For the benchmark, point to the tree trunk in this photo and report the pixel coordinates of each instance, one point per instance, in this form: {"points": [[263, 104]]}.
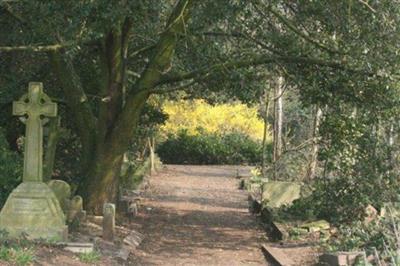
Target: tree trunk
{"points": [[152, 154], [265, 132], [103, 181], [51, 147], [105, 135], [315, 146], [278, 120]]}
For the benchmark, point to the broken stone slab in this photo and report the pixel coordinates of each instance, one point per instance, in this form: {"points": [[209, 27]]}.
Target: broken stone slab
{"points": [[133, 239], [341, 258], [79, 247], [96, 219], [277, 193], [133, 193], [279, 231], [277, 256], [316, 226], [297, 231], [123, 253]]}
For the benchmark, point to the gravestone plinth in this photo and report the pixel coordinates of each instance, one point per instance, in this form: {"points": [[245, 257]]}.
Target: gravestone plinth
{"points": [[32, 209]]}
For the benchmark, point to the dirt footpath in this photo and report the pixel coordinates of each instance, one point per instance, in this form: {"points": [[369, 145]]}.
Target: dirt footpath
{"points": [[195, 215]]}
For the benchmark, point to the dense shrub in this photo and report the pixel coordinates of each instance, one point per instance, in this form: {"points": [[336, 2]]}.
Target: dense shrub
{"points": [[198, 116], [10, 169], [233, 148]]}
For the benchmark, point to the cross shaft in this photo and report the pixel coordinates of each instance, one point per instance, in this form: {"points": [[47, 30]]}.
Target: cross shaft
{"points": [[35, 105]]}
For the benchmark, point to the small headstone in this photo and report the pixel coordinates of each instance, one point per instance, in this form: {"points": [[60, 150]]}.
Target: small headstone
{"points": [[62, 190], [277, 193], [96, 219], [123, 253], [75, 208], [108, 221]]}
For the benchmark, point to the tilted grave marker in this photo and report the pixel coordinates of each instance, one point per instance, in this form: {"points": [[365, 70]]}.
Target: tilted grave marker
{"points": [[32, 208]]}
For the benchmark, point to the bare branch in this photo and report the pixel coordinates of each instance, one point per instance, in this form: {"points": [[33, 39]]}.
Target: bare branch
{"points": [[36, 48], [367, 5], [178, 88], [141, 50]]}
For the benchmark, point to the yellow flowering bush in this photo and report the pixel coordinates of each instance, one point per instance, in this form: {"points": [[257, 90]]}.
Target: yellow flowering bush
{"points": [[197, 116]]}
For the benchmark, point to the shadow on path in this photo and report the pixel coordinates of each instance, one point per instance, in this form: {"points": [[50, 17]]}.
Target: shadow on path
{"points": [[195, 215]]}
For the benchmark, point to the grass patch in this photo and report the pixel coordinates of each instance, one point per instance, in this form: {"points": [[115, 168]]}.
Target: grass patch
{"points": [[17, 255], [91, 257]]}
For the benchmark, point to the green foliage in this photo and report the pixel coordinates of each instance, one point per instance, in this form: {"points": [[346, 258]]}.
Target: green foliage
{"points": [[234, 148], [19, 251], [381, 235], [342, 199], [10, 169], [133, 172], [17, 255], [91, 257]]}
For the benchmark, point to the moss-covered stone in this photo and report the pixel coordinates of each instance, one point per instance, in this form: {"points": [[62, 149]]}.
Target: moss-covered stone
{"points": [[276, 193], [316, 226], [62, 190], [32, 209]]}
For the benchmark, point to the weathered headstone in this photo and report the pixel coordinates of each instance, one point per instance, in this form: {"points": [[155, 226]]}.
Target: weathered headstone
{"points": [[32, 208], [108, 221], [276, 193], [75, 208], [62, 190]]}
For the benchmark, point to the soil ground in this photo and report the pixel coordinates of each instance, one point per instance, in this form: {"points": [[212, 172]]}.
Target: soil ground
{"points": [[196, 215]]}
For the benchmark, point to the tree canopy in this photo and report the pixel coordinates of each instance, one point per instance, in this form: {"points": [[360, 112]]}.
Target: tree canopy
{"points": [[103, 59]]}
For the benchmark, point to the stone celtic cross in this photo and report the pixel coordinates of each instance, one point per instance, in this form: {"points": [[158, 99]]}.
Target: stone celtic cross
{"points": [[35, 105]]}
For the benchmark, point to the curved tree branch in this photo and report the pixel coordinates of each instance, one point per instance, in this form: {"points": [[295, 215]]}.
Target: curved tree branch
{"points": [[293, 28], [256, 60], [159, 64]]}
